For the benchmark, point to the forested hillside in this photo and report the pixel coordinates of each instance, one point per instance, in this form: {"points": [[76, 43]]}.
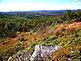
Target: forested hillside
{"points": [[20, 31]]}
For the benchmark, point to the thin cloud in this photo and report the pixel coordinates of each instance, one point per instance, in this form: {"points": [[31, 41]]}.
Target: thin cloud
{"points": [[75, 0]]}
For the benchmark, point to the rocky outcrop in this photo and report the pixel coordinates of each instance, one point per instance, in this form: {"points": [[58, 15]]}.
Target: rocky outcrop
{"points": [[39, 53], [43, 52], [20, 56]]}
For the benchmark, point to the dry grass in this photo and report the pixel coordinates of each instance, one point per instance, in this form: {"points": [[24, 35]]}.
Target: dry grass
{"points": [[67, 27]]}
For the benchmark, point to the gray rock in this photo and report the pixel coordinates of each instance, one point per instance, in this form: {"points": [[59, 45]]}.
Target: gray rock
{"points": [[43, 51], [40, 53], [20, 56], [10, 58], [50, 31]]}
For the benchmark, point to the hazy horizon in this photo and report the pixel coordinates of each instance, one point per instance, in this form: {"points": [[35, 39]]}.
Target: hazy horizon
{"points": [[33, 5]]}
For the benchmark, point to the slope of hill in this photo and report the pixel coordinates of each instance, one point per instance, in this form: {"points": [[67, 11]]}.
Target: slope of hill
{"points": [[21, 33], [24, 40]]}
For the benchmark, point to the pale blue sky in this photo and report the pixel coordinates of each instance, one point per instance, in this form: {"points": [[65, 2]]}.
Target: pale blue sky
{"points": [[26, 5]]}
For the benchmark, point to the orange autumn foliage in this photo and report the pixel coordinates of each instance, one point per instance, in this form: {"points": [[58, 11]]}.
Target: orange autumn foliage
{"points": [[68, 27], [60, 54]]}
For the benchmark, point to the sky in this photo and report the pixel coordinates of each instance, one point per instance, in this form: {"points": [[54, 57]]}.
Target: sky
{"points": [[28, 5]]}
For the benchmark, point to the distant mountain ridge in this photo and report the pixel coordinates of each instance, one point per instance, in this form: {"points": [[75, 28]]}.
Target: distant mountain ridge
{"points": [[37, 12]]}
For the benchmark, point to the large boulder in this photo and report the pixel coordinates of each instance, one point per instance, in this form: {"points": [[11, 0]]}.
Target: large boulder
{"points": [[43, 52]]}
